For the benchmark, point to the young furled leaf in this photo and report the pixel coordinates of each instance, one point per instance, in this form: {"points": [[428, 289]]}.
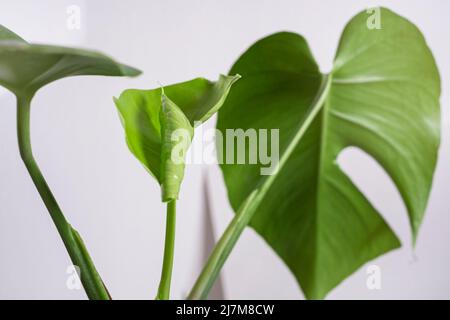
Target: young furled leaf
{"points": [[176, 137], [151, 120], [382, 96], [24, 68], [159, 127]]}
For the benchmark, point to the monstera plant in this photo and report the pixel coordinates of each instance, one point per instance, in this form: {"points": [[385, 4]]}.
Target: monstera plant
{"points": [[24, 69], [159, 126], [382, 96]]}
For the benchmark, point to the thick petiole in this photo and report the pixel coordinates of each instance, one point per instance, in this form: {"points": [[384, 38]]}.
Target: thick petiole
{"points": [[90, 279], [166, 274]]}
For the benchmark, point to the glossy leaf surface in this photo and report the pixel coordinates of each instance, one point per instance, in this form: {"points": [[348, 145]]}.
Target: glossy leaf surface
{"points": [[382, 96]]}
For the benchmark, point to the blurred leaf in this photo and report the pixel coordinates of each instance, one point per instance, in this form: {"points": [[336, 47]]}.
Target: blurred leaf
{"points": [[8, 35], [24, 68]]}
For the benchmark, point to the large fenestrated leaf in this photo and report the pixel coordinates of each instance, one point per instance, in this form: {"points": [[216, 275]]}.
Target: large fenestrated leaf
{"points": [[382, 96], [151, 117], [24, 67]]}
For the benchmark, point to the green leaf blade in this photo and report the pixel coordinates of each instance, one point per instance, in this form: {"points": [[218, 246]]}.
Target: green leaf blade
{"points": [[392, 111], [139, 113], [24, 67], [312, 214], [8, 35], [153, 119]]}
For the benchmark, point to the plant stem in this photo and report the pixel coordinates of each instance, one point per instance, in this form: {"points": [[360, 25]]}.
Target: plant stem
{"points": [[249, 207], [90, 279], [166, 274], [222, 250]]}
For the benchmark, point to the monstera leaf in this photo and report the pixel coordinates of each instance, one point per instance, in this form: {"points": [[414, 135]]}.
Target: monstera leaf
{"points": [[24, 68], [381, 96], [158, 121]]}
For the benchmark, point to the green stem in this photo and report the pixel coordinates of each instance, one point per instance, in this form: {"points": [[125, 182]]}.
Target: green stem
{"points": [[223, 249], [90, 279], [249, 207], [166, 274]]}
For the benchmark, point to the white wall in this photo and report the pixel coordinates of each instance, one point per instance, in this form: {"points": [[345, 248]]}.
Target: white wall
{"points": [[115, 204]]}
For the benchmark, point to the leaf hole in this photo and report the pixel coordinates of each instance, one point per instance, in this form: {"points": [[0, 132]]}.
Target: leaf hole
{"points": [[376, 185]]}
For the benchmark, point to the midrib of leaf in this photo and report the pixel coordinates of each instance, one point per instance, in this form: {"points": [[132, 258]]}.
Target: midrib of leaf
{"points": [[317, 104], [322, 150], [43, 75], [252, 202]]}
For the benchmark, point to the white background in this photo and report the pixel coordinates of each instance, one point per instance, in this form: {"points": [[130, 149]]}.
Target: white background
{"points": [[113, 202]]}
